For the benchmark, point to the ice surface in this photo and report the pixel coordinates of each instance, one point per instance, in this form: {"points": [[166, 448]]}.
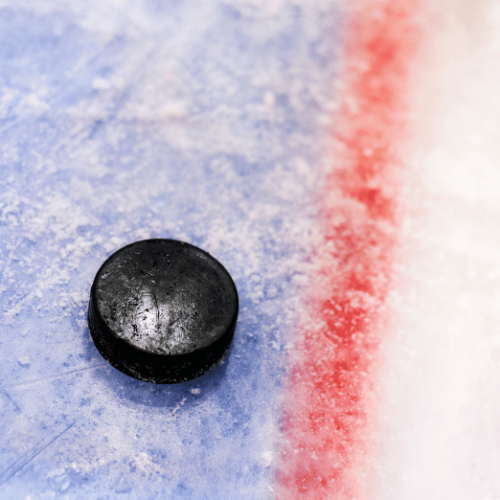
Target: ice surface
{"points": [[128, 120], [207, 122], [440, 417]]}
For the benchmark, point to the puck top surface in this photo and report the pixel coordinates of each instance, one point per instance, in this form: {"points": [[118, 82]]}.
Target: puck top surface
{"points": [[165, 297]]}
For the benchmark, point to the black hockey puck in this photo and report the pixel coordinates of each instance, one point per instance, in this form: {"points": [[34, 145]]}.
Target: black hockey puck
{"points": [[162, 311]]}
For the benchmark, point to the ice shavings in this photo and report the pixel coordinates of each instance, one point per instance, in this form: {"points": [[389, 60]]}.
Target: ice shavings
{"points": [[123, 121], [439, 424]]}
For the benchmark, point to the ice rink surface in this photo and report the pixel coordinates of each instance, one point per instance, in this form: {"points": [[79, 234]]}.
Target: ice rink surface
{"points": [[211, 122], [165, 119], [440, 410]]}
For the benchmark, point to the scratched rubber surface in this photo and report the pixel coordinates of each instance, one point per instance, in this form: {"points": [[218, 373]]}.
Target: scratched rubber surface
{"points": [[122, 121]]}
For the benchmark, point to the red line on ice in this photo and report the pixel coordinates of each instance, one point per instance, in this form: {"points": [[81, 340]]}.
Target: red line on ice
{"points": [[327, 403]]}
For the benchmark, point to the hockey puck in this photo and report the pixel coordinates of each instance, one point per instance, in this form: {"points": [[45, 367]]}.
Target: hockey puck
{"points": [[162, 311]]}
